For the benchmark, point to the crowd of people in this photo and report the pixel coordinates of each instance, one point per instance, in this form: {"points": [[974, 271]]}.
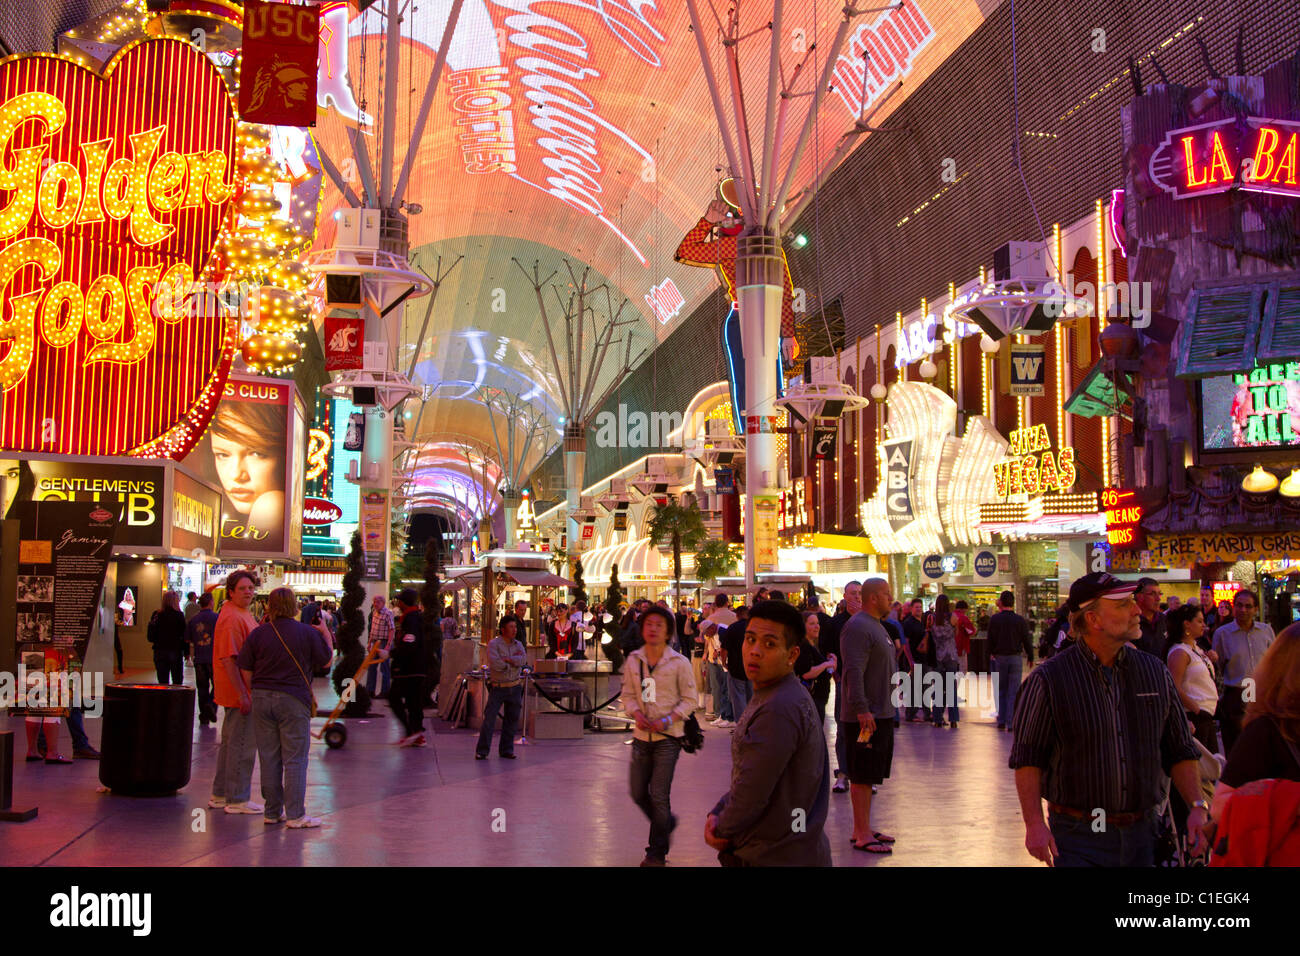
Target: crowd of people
{"points": [[1129, 742]]}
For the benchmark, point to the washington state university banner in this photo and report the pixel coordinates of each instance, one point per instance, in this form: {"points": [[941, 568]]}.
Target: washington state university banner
{"points": [[344, 343], [277, 78]]}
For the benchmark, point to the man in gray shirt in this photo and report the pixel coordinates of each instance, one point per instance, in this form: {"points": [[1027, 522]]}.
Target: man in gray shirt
{"points": [[775, 811], [867, 712], [1240, 644]]}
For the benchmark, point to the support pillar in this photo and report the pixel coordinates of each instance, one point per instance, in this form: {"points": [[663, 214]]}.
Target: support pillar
{"points": [[760, 278], [575, 467], [510, 506]]}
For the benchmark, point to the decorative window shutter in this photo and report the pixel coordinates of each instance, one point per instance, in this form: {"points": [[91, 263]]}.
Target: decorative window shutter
{"points": [[1221, 331], [1279, 336]]}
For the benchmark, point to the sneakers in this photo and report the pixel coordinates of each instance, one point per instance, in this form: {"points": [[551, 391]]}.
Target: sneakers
{"points": [[86, 753], [841, 784], [216, 803], [413, 740], [653, 861], [724, 724], [420, 741], [270, 822], [304, 823], [246, 807]]}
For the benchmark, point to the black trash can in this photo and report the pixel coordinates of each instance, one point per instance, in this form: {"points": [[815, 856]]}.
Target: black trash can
{"points": [[146, 742]]}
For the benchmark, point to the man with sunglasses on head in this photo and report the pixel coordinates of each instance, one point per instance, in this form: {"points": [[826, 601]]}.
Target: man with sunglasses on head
{"points": [[1098, 728]]}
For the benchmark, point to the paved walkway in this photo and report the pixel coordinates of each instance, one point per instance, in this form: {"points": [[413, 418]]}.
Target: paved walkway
{"points": [[950, 802]]}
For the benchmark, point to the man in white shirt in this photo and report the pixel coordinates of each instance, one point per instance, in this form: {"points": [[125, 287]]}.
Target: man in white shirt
{"points": [[1239, 644]]}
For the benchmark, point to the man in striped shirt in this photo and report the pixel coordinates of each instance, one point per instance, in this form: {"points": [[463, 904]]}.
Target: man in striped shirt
{"points": [[1097, 729]]}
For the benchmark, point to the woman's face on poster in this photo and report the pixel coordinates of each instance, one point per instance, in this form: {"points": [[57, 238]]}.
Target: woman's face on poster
{"points": [[12, 473], [245, 473]]}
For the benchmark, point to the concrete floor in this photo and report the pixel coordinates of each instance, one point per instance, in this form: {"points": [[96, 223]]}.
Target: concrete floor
{"points": [[950, 802]]}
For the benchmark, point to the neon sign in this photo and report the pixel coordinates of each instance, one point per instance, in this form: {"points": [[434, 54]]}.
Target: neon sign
{"points": [[1123, 514], [110, 206], [1215, 157], [665, 301], [1026, 472]]}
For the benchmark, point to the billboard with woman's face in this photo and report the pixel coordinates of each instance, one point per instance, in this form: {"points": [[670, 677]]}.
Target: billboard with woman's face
{"points": [[248, 453]]}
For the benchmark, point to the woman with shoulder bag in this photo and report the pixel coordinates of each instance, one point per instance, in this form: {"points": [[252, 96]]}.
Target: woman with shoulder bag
{"points": [[275, 661], [659, 695]]}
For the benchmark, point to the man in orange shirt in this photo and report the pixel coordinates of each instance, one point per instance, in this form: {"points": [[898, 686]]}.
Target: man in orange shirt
{"points": [[234, 779]]}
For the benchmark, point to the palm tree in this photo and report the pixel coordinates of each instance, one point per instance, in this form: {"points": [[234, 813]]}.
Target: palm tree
{"points": [[715, 559], [682, 527]]}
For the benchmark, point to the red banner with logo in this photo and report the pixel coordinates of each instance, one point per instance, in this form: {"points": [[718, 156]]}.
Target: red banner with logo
{"points": [[344, 343], [277, 77]]}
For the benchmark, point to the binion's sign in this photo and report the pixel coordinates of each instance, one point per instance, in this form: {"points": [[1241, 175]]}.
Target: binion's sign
{"points": [[1259, 156], [113, 191]]}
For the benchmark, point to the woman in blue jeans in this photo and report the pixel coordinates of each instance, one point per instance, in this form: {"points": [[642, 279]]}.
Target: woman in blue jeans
{"points": [[659, 694], [275, 661]]}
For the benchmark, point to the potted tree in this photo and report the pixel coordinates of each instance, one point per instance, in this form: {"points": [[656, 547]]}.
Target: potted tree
{"points": [[351, 650], [680, 527]]}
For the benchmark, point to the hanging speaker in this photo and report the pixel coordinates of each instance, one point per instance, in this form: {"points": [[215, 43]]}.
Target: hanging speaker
{"points": [[343, 291]]}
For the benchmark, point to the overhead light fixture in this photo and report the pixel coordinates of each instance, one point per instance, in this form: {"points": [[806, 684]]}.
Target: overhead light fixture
{"points": [[929, 369], [800, 241], [1260, 482], [988, 345], [1291, 484]]}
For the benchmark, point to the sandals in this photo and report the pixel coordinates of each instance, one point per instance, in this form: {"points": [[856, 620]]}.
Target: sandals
{"points": [[875, 846], [877, 838]]}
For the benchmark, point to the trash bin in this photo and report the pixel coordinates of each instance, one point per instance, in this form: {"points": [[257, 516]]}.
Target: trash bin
{"points": [[146, 742]]}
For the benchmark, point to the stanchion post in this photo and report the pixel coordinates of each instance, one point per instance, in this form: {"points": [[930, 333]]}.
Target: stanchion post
{"points": [[7, 813]]}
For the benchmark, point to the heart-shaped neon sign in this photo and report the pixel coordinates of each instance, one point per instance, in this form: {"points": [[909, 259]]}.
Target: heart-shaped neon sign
{"points": [[112, 190]]}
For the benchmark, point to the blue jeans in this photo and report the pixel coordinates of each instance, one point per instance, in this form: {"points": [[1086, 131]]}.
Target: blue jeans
{"points": [[936, 712], [386, 669], [283, 729], [739, 691], [1114, 846], [513, 699], [203, 683], [651, 784], [841, 741], [235, 756], [721, 695], [1008, 667]]}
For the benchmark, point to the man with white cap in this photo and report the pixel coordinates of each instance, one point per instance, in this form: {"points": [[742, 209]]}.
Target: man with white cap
{"points": [[1097, 729]]}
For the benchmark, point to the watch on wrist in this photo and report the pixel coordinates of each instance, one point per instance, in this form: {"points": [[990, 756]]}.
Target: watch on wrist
{"points": [[1202, 804]]}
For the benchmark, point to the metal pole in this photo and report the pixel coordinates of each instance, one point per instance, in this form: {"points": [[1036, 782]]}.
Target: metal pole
{"points": [[746, 200], [389, 122], [417, 132], [773, 79], [774, 214]]}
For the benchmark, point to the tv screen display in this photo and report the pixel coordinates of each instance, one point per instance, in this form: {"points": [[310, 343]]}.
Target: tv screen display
{"points": [[1260, 409]]}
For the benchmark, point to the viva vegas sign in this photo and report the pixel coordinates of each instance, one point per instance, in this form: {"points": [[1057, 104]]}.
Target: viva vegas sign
{"points": [[112, 188]]}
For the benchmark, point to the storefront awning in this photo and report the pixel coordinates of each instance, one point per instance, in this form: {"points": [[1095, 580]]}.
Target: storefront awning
{"points": [[635, 559], [526, 577], [533, 578]]}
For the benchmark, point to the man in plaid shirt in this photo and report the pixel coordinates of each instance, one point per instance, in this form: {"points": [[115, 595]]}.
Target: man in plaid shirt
{"points": [[381, 634]]}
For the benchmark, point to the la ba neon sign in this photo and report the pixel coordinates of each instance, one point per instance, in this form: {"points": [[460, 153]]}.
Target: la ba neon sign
{"points": [[1263, 156]]}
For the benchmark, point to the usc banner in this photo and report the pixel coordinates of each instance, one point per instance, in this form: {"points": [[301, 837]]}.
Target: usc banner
{"points": [[277, 76]]}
